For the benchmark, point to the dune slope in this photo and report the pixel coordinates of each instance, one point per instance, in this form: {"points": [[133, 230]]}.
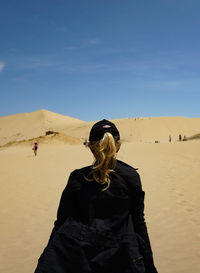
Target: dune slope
{"points": [[30, 125]]}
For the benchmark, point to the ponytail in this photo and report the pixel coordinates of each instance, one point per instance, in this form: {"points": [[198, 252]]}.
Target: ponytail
{"points": [[104, 152]]}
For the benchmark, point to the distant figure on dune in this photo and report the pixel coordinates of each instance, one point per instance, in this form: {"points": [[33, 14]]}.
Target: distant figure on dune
{"points": [[180, 138], [170, 138], [100, 226], [85, 142], [35, 148], [184, 138]]}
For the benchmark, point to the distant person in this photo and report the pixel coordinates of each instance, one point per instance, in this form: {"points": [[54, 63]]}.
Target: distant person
{"points": [[85, 142], [180, 138], [170, 138], [35, 148], [184, 138], [100, 226]]}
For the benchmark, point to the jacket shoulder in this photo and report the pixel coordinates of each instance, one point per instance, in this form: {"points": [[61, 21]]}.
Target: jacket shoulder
{"points": [[119, 162], [80, 172], [130, 174], [76, 177]]}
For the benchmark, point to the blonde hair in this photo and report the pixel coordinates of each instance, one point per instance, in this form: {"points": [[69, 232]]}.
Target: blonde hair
{"points": [[104, 152]]}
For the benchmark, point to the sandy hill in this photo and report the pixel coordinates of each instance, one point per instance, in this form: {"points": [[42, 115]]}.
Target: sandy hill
{"points": [[157, 128], [30, 125], [54, 138], [145, 129], [149, 129]]}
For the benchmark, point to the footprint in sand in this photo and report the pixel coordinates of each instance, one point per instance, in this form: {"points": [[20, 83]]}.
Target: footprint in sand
{"points": [[187, 207], [189, 210], [173, 188], [183, 201], [180, 194]]}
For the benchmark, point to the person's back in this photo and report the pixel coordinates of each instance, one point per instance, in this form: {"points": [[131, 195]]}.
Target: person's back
{"points": [[100, 225], [90, 202]]}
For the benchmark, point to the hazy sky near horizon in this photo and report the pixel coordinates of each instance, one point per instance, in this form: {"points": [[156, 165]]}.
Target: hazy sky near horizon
{"points": [[93, 59]]}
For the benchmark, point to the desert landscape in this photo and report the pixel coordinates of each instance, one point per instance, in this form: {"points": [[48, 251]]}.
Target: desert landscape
{"points": [[31, 186]]}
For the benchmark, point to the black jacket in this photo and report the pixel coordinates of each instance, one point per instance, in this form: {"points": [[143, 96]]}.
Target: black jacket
{"points": [[100, 231]]}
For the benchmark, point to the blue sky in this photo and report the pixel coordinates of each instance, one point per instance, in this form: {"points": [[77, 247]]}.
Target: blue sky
{"points": [[93, 59]]}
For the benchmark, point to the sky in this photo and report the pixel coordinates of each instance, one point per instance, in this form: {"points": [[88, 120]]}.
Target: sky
{"points": [[95, 59]]}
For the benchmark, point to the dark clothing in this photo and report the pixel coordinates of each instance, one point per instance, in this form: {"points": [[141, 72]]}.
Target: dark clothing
{"points": [[100, 231]]}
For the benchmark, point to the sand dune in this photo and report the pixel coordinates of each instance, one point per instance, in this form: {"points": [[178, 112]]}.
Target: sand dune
{"points": [[31, 186], [47, 139], [158, 128], [29, 125], [194, 137], [146, 129]]}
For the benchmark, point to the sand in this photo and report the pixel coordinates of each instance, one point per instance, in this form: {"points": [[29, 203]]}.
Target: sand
{"points": [[29, 125], [31, 188]]}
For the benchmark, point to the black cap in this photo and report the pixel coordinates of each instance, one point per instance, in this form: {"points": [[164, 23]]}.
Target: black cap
{"points": [[101, 127]]}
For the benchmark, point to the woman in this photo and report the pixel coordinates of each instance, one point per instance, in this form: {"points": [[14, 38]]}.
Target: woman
{"points": [[35, 148], [100, 226]]}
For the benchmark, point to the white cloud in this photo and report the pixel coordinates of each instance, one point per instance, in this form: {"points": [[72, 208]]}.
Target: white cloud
{"points": [[2, 65]]}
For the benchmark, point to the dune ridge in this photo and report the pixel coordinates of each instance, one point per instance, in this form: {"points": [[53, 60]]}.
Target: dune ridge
{"points": [[47, 139], [145, 129], [148, 129], [31, 125], [194, 137]]}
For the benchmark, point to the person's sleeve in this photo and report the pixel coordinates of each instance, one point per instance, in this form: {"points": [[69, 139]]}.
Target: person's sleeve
{"points": [[137, 210], [66, 206]]}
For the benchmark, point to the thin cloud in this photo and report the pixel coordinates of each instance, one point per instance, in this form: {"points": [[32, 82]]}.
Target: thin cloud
{"points": [[2, 65], [91, 67], [93, 41], [71, 47], [38, 64], [155, 66]]}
